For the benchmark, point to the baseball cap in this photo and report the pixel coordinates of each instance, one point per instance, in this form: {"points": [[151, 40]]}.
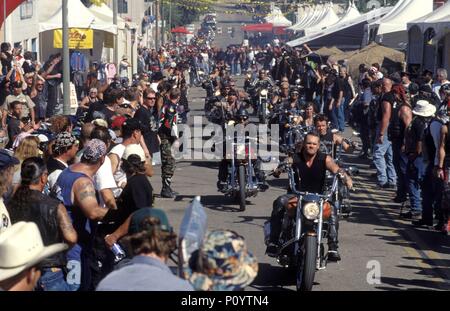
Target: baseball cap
{"points": [[6, 159], [118, 122], [157, 76], [134, 149], [138, 224], [131, 125]]}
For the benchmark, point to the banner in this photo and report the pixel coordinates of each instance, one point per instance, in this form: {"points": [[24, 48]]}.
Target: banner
{"points": [[79, 39]]}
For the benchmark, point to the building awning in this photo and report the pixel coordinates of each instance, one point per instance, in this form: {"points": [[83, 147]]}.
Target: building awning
{"points": [[11, 5], [265, 27]]}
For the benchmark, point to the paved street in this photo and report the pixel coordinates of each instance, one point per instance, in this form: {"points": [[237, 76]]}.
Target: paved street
{"points": [[409, 258]]}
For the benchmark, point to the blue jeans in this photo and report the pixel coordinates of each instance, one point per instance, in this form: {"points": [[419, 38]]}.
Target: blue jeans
{"points": [[415, 174], [400, 163], [238, 69], [341, 114], [333, 116], [54, 281], [383, 161], [431, 196]]}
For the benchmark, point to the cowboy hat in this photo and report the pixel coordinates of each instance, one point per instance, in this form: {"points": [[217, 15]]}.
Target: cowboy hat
{"points": [[222, 264], [424, 109], [21, 247]]}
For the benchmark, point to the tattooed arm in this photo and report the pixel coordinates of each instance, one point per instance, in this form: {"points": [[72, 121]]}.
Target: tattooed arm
{"points": [[85, 198], [65, 226]]}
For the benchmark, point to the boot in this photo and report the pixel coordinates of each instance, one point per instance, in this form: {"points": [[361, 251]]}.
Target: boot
{"points": [[166, 191]]}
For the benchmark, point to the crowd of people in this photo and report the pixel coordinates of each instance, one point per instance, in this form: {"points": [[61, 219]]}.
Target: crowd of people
{"points": [[72, 187]]}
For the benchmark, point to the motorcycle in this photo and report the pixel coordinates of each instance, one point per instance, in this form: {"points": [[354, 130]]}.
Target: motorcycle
{"points": [[293, 136], [304, 231], [199, 76], [263, 105], [242, 179]]}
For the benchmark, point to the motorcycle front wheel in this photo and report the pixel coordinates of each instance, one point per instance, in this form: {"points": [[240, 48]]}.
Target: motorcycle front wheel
{"points": [[242, 188], [306, 270], [262, 113], [197, 82]]}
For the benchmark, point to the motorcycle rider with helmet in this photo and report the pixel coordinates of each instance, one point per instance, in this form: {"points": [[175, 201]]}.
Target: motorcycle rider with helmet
{"points": [[240, 117], [309, 166]]}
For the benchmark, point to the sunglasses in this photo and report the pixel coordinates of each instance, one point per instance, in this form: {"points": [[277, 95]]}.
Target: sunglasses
{"points": [[150, 98]]}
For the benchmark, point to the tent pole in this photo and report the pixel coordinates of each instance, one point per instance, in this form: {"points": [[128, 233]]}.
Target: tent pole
{"points": [[66, 63]]}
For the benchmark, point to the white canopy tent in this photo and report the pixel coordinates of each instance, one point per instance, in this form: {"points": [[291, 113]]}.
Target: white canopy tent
{"points": [[311, 17], [351, 14], [429, 40], [391, 30], [79, 17], [329, 18], [277, 18], [347, 34]]}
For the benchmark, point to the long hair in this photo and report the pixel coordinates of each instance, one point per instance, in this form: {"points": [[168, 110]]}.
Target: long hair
{"points": [[153, 240], [399, 90], [31, 173], [28, 148], [133, 165]]}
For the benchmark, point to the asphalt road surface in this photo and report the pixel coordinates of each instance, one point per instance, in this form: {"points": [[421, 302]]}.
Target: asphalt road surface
{"points": [[379, 250]]}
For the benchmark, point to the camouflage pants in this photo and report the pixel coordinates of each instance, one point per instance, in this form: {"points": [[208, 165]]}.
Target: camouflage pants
{"points": [[167, 159]]}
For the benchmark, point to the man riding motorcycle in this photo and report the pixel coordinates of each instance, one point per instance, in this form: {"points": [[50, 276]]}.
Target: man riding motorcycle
{"points": [[330, 140], [240, 117], [309, 166]]}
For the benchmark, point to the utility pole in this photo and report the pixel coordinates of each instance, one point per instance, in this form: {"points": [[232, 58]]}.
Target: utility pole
{"points": [[170, 18], [66, 57], [163, 28], [116, 36], [157, 25]]}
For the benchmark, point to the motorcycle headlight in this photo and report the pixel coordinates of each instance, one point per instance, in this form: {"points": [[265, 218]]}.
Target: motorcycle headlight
{"points": [[240, 150], [231, 123], [200, 72], [311, 210], [264, 92], [217, 93]]}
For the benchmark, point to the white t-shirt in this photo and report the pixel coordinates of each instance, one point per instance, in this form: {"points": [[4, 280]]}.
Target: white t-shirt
{"points": [[104, 179], [120, 177], [205, 57], [5, 221], [154, 86]]}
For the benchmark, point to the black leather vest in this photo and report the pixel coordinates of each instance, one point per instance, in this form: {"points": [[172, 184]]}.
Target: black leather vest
{"points": [[42, 210]]}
